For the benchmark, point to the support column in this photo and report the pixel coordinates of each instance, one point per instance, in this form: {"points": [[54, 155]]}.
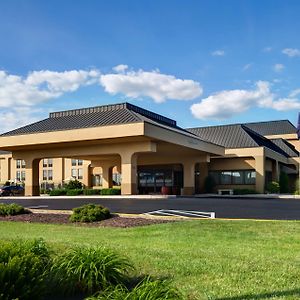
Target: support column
{"points": [[129, 174], [275, 171], [188, 178], [106, 176], [32, 177], [203, 168], [260, 173]]}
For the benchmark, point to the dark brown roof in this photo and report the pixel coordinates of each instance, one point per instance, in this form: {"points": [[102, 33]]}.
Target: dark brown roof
{"points": [[115, 114], [286, 147], [235, 136], [277, 127]]}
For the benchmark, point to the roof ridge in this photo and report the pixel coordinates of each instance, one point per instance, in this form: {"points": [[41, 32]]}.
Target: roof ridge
{"points": [[86, 110]]}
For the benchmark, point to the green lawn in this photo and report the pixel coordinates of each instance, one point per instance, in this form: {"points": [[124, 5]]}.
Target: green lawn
{"points": [[208, 259]]}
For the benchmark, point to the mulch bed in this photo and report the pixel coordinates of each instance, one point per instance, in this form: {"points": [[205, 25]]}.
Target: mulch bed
{"points": [[115, 221]]}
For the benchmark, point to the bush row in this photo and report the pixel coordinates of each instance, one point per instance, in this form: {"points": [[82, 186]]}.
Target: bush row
{"points": [[77, 192], [29, 270], [11, 209]]}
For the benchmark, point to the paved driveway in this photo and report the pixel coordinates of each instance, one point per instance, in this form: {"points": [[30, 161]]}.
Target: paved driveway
{"points": [[280, 209]]}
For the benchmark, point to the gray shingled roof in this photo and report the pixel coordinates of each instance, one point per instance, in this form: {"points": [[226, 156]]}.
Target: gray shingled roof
{"points": [[115, 114], [286, 147], [235, 136], [272, 127]]}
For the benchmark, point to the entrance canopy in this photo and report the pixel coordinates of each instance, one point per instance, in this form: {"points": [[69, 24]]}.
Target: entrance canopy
{"points": [[121, 134]]}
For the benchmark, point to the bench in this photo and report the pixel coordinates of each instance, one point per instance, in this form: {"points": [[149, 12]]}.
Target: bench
{"points": [[225, 192]]}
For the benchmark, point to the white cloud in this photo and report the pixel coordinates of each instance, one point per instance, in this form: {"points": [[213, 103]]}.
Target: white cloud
{"points": [[278, 68], [247, 67], [294, 93], [225, 104], [153, 84], [291, 52], [40, 86], [267, 49], [17, 117], [218, 53], [120, 68]]}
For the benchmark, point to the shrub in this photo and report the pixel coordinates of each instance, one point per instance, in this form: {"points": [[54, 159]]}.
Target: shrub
{"points": [[58, 192], [88, 269], [145, 290], [283, 183], [73, 185], [45, 191], [110, 191], [209, 184], [23, 269], [89, 213], [12, 209], [91, 192], [74, 192], [273, 187], [244, 191]]}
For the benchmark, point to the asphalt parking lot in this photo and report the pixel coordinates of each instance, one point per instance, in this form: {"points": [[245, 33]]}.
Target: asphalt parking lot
{"points": [[232, 208]]}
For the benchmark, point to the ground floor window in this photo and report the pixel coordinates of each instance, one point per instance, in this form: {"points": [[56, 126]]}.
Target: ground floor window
{"points": [[236, 177], [151, 179]]}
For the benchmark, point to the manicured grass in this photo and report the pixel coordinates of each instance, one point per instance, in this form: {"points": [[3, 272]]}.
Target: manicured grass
{"points": [[209, 259]]}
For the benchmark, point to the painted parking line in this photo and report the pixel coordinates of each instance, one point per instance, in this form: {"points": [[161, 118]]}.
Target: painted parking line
{"points": [[37, 206], [182, 213]]}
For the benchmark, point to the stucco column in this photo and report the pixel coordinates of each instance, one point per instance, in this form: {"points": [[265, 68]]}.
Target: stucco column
{"points": [[106, 176], [260, 162], [5, 169], [188, 178], [275, 170], [129, 174], [203, 169], [32, 177]]}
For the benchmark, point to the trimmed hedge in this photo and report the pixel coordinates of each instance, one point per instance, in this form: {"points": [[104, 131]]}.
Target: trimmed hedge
{"points": [[111, 191], [89, 192], [12, 209], [74, 192], [90, 213], [244, 191], [58, 192]]}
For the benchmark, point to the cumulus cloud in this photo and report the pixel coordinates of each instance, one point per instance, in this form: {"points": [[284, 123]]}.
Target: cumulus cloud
{"points": [[40, 86], [294, 93], [153, 84], [226, 104], [218, 53], [120, 68], [278, 68], [291, 52]]}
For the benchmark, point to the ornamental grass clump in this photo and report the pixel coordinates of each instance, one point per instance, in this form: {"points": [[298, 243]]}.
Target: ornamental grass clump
{"points": [[23, 269], [146, 290], [90, 213], [89, 270], [12, 209]]}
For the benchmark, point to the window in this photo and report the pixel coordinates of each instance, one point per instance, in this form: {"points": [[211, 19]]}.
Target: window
{"points": [[250, 177], [74, 162], [45, 173], [233, 177], [18, 175], [22, 175], [80, 176], [45, 163], [80, 162], [50, 162], [226, 177], [237, 177], [20, 164], [74, 173]]}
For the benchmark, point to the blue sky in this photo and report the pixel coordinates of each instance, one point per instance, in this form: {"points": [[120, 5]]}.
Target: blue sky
{"points": [[200, 62]]}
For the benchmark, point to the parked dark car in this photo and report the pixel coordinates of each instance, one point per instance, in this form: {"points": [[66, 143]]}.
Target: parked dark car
{"points": [[11, 190]]}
